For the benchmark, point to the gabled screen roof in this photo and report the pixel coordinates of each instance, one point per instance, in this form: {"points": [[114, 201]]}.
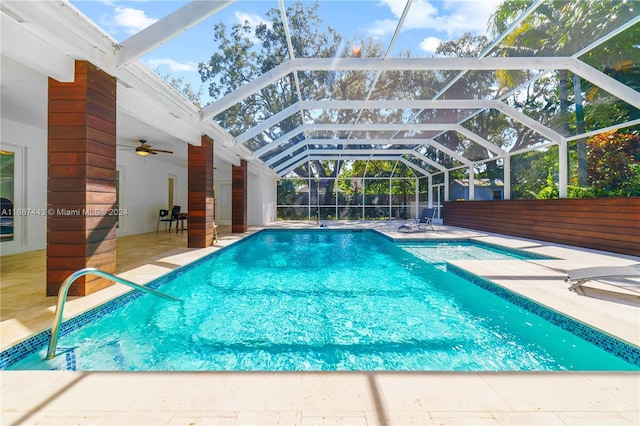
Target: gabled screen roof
{"points": [[366, 81]]}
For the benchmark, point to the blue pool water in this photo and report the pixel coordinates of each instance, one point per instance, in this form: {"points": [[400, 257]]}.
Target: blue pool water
{"points": [[443, 251], [322, 300]]}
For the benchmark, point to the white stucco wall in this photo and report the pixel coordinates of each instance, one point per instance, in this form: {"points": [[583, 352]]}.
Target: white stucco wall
{"points": [[143, 188], [30, 145], [144, 191], [261, 201], [222, 180]]}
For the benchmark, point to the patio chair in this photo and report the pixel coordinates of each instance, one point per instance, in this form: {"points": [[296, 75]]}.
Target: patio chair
{"points": [[577, 277], [163, 216], [425, 220]]}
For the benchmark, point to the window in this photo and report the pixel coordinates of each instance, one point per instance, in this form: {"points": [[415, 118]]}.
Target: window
{"points": [[7, 194]]}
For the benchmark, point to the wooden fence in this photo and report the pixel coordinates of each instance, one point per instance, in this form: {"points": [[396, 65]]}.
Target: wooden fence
{"points": [[609, 224]]}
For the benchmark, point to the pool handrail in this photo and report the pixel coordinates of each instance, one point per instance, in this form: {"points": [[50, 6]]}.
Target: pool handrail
{"points": [[62, 298]]}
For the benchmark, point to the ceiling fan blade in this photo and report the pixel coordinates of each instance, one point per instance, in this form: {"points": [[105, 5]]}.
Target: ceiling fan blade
{"points": [[161, 150]]}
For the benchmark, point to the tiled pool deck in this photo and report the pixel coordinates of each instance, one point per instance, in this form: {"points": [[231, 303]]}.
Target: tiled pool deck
{"points": [[360, 398]]}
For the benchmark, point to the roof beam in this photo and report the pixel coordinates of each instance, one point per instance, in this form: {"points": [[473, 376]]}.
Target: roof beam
{"points": [[347, 142], [527, 121], [399, 104], [282, 139], [402, 104], [600, 79], [245, 91], [381, 127], [297, 160], [374, 64], [269, 122], [396, 155], [435, 64], [480, 141], [512, 27], [166, 28], [34, 51], [293, 166], [604, 130], [287, 33]]}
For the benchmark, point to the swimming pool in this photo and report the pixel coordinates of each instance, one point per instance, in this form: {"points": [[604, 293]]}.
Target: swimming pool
{"points": [[325, 300]]}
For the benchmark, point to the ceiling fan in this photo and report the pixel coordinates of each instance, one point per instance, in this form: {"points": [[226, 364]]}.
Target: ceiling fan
{"points": [[144, 149]]}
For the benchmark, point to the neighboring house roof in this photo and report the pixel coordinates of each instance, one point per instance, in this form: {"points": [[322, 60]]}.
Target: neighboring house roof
{"points": [[491, 183]]}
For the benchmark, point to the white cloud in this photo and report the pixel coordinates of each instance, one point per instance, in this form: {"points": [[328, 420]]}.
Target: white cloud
{"points": [[253, 20], [132, 20], [174, 66], [430, 44], [396, 6], [451, 17], [383, 27]]}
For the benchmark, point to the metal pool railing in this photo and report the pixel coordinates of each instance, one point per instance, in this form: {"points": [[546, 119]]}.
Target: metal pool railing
{"points": [[62, 298]]}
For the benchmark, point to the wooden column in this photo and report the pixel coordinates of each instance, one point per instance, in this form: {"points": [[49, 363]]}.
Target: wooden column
{"points": [[239, 198], [200, 210], [81, 186]]}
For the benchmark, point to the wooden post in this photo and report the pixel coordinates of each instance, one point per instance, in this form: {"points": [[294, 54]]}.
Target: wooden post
{"points": [[81, 185], [200, 210], [239, 198]]}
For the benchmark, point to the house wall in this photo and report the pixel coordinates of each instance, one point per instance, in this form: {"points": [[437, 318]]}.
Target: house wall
{"points": [[458, 192], [144, 191], [30, 145], [262, 199], [610, 224], [143, 188], [222, 182]]}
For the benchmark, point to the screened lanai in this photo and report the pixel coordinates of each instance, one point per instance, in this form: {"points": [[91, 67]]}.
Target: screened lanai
{"points": [[368, 128], [373, 115]]}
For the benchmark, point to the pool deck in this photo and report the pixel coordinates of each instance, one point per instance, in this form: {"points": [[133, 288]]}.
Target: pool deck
{"points": [[324, 398]]}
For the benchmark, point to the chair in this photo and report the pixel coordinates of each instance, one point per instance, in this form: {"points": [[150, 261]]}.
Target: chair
{"points": [[577, 277], [164, 217], [425, 220]]}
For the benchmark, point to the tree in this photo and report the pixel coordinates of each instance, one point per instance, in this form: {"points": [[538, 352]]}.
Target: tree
{"points": [[560, 28], [246, 52], [193, 96], [614, 169]]}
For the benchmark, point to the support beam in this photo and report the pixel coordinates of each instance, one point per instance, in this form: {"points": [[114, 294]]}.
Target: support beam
{"points": [[379, 64], [435, 64], [166, 28], [281, 140], [381, 128], [472, 183], [507, 178], [245, 91], [603, 81], [200, 198], [563, 169], [239, 178], [268, 123], [304, 157], [50, 61], [81, 185]]}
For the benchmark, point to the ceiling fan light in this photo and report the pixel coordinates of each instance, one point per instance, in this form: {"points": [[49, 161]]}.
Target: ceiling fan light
{"points": [[142, 153]]}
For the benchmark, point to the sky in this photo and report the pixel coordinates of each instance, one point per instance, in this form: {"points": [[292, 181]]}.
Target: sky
{"points": [[428, 23]]}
